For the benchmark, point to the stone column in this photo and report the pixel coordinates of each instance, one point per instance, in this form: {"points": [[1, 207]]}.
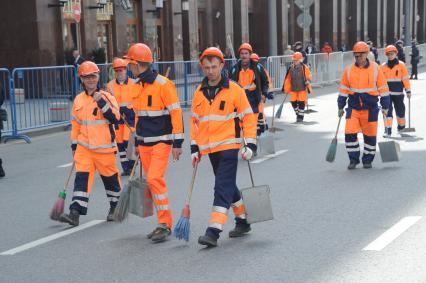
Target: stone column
{"points": [[284, 23], [272, 21], [193, 29], [177, 30], [317, 23], [245, 35], [365, 35], [379, 23], [343, 19], [229, 20], [335, 23]]}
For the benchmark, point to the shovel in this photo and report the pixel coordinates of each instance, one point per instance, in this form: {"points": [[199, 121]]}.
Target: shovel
{"points": [[141, 203], [257, 201], [409, 129], [274, 129], [390, 151]]}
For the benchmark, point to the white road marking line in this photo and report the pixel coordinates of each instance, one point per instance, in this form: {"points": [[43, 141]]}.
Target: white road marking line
{"points": [[65, 165], [269, 156], [387, 237], [51, 238]]}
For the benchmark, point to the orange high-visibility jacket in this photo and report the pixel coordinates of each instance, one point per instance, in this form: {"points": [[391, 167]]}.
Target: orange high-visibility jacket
{"points": [[158, 111], [93, 122], [397, 78], [287, 88], [363, 86], [216, 125], [123, 94]]}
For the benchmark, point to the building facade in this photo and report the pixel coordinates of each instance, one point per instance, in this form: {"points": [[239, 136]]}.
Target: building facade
{"points": [[41, 32]]}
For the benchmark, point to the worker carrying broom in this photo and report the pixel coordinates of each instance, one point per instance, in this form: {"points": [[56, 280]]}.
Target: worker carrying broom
{"points": [[121, 87], [396, 74], [222, 120], [159, 131], [94, 114], [262, 126], [361, 86], [297, 83], [251, 76]]}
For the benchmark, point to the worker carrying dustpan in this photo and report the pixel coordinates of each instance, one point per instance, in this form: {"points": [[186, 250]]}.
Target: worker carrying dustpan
{"points": [[221, 118], [396, 74], [159, 131], [94, 114], [361, 86]]}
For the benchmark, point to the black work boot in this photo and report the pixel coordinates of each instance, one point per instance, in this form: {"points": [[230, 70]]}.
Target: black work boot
{"points": [[126, 173], [208, 241], [2, 173], [352, 165], [160, 234], [72, 218], [367, 165], [241, 228], [110, 216]]}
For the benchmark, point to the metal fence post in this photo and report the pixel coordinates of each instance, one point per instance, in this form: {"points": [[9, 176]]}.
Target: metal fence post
{"points": [[185, 80]]}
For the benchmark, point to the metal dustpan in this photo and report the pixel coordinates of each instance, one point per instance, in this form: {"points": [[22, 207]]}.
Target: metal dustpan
{"points": [[257, 202], [130, 151], [390, 151], [266, 143], [141, 203]]}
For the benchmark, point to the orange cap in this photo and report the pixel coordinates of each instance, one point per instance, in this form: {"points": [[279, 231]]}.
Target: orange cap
{"points": [[118, 63], [297, 56], [212, 51], [254, 57], [245, 46], [139, 52], [87, 68], [361, 47], [390, 48]]}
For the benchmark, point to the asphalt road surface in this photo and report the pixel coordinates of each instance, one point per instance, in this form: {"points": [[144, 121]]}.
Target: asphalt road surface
{"points": [[331, 224]]}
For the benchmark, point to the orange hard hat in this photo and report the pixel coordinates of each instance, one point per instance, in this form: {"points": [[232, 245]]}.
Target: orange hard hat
{"points": [[361, 47], [390, 48], [212, 51], [119, 63], [297, 56], [139, 52], [245, 46], [87, 68], [254, 57]]}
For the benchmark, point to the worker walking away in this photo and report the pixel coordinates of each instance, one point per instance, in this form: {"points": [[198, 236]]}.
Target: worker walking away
{"points": [[396, 74], [222, 120], [251, 76], [262, 126], [297, 83], [361, 86], [415, 59], [94, 114], [159, 131], [121, 87]]}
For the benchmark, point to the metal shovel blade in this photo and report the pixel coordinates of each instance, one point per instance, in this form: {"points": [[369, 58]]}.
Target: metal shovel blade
{"points": [[275, 129], [257, 202], [390, 151], [266, 144], [408, 130]]}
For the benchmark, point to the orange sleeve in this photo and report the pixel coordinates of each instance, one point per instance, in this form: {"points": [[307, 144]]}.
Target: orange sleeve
{"points": [[287, 83], [171, 101], [344, 88], [194, 122], [247, 117], [75, 125], [406, 79], [382, 84]]}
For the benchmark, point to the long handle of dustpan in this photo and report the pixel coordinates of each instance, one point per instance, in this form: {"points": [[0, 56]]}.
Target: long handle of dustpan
{"points": [[134, 169], [338, 126], [67, 181], [409, 112], [249, 166], [191, 187], [273, 113]]}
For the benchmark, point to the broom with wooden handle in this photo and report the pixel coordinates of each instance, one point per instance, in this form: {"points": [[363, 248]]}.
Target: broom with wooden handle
{"points": [[182, 228], [58, 207], [331, 153]]}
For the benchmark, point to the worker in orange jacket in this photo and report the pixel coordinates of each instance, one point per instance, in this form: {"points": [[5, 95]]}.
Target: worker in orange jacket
{"points": [[297, 83], [121, 87], [396, 74], [222, 120], [251, 76], [159, 131], [262, 126], [361, 86], [94, 114]]}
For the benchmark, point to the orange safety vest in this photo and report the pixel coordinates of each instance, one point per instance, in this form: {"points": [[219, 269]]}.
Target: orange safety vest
{"points": [[397, 78], [158, 111], [216, 125], [90, 128], [122, 92], [287, 88]]}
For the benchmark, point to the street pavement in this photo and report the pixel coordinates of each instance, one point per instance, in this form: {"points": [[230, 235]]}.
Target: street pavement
{"points": [[326, 217]]}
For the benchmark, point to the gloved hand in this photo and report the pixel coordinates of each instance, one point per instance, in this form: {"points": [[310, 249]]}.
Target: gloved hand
{"points": [[409, 94], [341, 112], [246, 153], [270, 95], [195, 158], [385, 112]]}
